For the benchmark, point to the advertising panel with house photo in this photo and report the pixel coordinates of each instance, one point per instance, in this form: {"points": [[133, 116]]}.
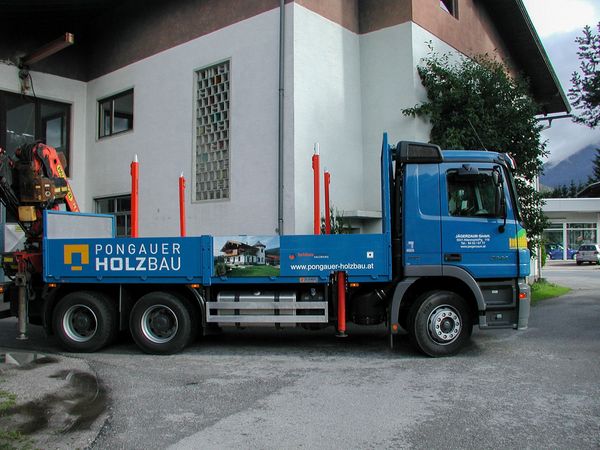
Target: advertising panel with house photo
{"points": [[246, 256]]}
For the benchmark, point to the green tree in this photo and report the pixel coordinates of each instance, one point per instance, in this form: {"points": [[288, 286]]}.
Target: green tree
{"points": [[475, 103], [339, 225], [585, 90], [596, 175], [572, 190]]}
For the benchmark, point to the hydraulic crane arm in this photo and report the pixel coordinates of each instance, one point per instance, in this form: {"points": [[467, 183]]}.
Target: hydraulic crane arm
{"points": [[31, 180], [53, 163]]}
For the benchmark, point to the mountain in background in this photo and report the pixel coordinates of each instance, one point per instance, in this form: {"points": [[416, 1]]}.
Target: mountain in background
{"points": [[577, 167]]}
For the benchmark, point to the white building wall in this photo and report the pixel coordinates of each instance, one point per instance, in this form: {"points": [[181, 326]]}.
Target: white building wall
{"points": [[73, 92], [348, 90], [390, 83], [327, 110], [164, 126], [342, 90]]}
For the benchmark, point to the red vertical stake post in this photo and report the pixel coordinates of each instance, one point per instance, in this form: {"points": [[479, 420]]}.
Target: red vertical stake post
{"points": [[134, 196], [327, 182], [316, 191], [182, 205], [341, 291]]}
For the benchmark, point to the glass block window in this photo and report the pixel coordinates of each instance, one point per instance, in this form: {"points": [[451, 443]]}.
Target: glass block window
{"points": [[212, 133]]}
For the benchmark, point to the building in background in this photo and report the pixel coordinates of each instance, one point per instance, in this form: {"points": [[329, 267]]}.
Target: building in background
{"points": [[193, 86], [573, 222]]}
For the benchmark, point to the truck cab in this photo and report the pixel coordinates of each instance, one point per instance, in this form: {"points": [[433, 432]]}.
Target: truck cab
{"points": [[460, 248]]}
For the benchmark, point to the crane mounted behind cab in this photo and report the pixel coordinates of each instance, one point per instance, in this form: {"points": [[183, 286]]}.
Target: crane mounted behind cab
{"points": [[452, 254]]}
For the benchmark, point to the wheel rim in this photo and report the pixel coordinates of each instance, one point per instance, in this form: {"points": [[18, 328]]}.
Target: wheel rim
{"points": [[80, 323], [159, 324], [444, 324]]}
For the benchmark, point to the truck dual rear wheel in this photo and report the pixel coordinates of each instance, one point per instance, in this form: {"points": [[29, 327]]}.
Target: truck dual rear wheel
{"points": [[160, 323], [85, 321], [439, 323]]}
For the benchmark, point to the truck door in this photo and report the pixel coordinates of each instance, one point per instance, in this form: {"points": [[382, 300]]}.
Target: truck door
{"points": [[478, 225]]}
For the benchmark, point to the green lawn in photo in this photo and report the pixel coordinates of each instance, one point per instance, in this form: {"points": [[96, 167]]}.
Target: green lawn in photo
{"points": [[254, 271]]}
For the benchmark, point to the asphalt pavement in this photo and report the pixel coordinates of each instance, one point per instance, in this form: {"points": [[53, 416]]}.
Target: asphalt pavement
{"points": [[536, 388]]}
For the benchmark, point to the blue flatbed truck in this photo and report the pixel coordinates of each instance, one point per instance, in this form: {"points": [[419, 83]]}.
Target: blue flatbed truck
{"points": [[452, 254]]}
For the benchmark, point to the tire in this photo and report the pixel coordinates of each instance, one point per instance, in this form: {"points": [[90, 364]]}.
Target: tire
{"points": [[85, 321], [436, 309], [579, 263], [160, 323]]}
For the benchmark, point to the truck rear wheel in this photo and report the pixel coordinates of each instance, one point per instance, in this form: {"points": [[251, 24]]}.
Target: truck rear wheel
{"points": [[160, 323], [439, 323], [85, 321]]}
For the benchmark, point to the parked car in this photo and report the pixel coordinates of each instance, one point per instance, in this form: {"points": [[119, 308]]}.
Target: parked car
{"points": [[588, 253], [556, 251]]}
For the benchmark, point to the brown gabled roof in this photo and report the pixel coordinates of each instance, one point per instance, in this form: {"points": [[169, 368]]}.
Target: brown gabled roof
{"points": [[232, 245]]}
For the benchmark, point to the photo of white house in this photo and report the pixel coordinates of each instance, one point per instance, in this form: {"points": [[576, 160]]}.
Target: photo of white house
{"points": [[246, 256], [240, 254]]}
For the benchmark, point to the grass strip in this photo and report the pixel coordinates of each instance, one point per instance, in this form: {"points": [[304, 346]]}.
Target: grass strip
{"points": [[542, 290]]}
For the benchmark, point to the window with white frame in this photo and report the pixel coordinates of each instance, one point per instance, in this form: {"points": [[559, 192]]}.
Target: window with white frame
{"points": [[212, 150]]}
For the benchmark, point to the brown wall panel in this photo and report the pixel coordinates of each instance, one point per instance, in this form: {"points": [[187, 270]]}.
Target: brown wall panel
{"points": [[123, 33], [472, 33], [362, 16], [378, 14], [342, 12], [130, 32]]}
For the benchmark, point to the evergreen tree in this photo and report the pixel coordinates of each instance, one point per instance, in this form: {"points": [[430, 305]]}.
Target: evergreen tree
{"points": [[596, 175], [585, 90], [475, 103], [572, 190]]}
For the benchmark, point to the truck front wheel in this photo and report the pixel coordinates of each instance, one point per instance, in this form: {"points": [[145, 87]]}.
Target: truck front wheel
{"points": [[439, 323], [160, 323], [85, 321]]}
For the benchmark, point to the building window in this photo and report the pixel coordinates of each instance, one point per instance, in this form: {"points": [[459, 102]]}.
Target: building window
{"points": [[120, 207], [212, 133], [450, 6], [24, 120], [115, 114]]}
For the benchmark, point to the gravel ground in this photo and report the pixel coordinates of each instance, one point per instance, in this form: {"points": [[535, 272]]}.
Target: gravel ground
{"points": [[536, 388]]}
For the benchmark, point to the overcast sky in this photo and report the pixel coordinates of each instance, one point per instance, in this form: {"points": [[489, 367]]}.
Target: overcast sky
{"points": [[558, 23]]}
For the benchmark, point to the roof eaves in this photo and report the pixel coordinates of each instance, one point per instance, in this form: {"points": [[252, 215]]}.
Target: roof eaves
{"points": [[536, 39]]}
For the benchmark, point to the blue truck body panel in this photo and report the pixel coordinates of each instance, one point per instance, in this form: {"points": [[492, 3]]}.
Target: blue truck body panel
{"points": [[422, 228], [304, 259], [124, 260]]}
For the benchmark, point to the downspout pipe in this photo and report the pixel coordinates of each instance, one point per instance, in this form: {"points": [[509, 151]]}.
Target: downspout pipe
{"points": [[280, 126]]}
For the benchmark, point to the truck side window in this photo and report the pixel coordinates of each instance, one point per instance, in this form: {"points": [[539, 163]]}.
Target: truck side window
{"points": [[471, 195]]}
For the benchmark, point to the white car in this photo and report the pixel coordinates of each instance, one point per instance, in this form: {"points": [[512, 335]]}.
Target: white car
{"points": [[588, 253]]}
